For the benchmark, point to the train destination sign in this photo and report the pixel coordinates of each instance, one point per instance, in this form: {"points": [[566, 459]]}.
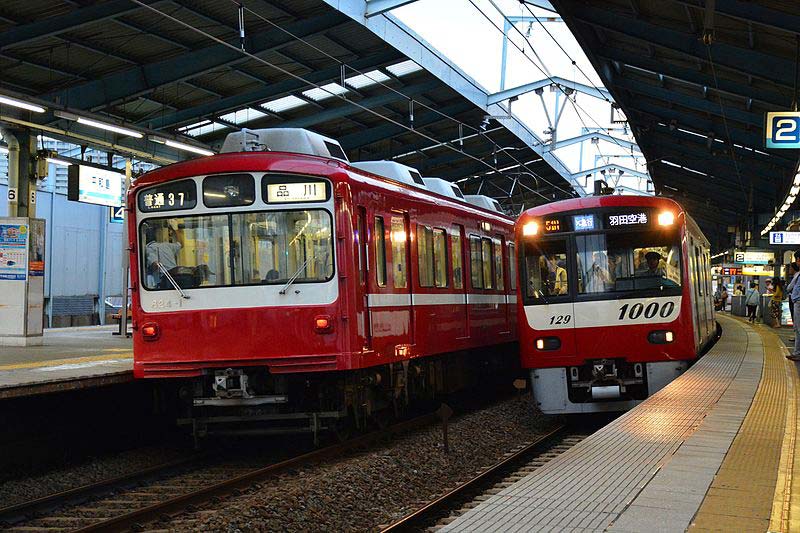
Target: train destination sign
{"points": [[783, 129], [552, 225], [784, 237], [92, 185], [174, 196], [307, 191], [583, 222], [627, 219]]}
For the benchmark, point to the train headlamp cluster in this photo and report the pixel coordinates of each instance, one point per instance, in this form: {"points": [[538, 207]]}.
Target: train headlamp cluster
{"points": [[666, 218], [661, 337], [548, 343], [529, 229], [787, 203]]}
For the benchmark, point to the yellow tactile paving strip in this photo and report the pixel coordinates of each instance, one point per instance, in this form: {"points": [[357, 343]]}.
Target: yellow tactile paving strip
{"points": [[742, 494], [110, 355]]}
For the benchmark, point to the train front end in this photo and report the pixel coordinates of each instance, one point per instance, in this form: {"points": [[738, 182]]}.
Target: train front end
{"points": [[605, 311]]}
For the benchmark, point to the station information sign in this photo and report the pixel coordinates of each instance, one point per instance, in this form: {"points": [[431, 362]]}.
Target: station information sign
{"points": [[753, 258], [783, 129], [309, 191], [784, 237], [174, 196], [92, 185]]}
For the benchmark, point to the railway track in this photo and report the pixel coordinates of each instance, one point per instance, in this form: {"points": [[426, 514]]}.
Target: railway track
{"points": [[512, 467], [158, 493]]}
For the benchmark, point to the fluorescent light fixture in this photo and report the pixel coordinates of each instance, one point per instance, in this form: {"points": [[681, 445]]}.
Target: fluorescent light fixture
{"points": [[7, 100], [181, 146], [98, 124]]}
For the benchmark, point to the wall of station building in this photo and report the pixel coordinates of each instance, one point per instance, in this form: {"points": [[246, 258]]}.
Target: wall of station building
{"points": [[83, 262]]}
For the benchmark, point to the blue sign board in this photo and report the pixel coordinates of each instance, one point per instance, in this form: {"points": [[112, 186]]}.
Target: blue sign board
{"points": [[583, 222], [783, 129], [116, 214]]}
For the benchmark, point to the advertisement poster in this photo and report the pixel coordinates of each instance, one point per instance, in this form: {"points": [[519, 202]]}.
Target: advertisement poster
{"points": [[13, 251], [36, 253]]}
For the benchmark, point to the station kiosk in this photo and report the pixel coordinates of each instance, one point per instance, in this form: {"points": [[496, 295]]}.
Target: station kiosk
{"points": [[22, 248]]}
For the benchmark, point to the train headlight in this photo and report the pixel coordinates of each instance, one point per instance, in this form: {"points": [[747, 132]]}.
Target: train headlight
{"points": [[530, 229], [666, 218], [661, 337], [548, 343]]}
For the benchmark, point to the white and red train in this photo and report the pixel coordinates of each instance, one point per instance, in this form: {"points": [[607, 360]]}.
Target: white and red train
{"points": [[276, 282], [615, 300]]}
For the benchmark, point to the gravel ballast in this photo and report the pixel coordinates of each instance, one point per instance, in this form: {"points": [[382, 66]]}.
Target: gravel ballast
{"points": [[362, 491]]}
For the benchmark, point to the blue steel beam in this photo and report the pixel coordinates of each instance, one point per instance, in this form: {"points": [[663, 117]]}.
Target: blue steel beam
{"points": [[697, 104], [53, 25], [602, 94], [694, 77], [265, 93], [749, 62], [597, 135], [136, 81], [379, 7]]}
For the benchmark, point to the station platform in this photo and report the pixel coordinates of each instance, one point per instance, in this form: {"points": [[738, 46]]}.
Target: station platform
{"points": [[68, 359], [716, 450]]}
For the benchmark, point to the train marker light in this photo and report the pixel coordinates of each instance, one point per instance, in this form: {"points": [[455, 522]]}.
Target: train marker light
{"points": [[322, 324], [661, 337], [548, 343], [666, 218], [150, 332], [530, 229]]}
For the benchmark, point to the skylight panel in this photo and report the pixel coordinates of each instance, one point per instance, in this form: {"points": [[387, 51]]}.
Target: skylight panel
{"points": [[202, 128], [283, 104], [326, 91], [404, 68], [242, 115], [365, 80]]}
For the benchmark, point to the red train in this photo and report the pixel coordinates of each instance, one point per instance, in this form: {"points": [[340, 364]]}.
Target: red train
{"points": [[297, 290], [615, 300]]}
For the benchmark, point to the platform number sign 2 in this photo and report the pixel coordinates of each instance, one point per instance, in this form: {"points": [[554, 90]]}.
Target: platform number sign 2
{"points": [[783, 129]]}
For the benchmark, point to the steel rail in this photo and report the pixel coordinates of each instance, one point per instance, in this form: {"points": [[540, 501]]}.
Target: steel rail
{"points": [[423, 516]]}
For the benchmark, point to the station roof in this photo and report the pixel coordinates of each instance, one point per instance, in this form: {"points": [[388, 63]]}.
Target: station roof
{"points": [[697, 110], [174, 67]]}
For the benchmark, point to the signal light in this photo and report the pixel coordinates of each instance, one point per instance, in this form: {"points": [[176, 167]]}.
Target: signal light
{"points": [[150, 332], [530, 229], [666, 218], [323, 324]]}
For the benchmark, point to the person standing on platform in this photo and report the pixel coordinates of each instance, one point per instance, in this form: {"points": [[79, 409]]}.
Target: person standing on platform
{"points": [[776, 302], [793, 270], [751, 301], [723, 295], [795, 298]]}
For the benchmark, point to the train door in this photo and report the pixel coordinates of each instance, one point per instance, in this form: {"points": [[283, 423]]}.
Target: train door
{"points": [[401, 273], [500, 275], [457, 250], [362, 242], [694, 278]]}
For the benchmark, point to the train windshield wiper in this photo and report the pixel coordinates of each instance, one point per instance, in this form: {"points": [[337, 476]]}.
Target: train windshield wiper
{"points": [[172, 281], [294, 277]]}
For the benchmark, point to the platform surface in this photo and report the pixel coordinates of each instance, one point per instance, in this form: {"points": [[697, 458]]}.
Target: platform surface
{"points": [[713, 451], [68, 359]]}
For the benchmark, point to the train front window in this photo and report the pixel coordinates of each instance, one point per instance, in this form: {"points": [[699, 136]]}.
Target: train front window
{"points": [[622, 262], [237, 249], [546, 270]]}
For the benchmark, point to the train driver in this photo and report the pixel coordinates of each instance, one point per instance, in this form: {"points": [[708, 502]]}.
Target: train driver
{"points": [[163, 252], [654, 265], [556, 277]]}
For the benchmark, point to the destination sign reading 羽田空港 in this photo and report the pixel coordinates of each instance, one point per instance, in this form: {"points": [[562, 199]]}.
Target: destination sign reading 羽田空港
{"points": [[636, 218], [173, 196], [307, 191]]}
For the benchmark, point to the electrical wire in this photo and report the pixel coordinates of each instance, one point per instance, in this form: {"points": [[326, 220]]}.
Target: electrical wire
{"points": [[340, 96]]}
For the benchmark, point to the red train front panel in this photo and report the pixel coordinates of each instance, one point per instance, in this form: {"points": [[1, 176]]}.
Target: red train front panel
{"points": [[607, 310]]}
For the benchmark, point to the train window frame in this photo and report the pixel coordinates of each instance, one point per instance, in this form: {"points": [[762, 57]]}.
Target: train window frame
{"points": [[457, 253], [213, 177], [512, 267], [525, 278], [487, 247], [499, 268], [440, 260], [475, 266], [229, 215], [380, 252], [399, 250], [425, 256]]}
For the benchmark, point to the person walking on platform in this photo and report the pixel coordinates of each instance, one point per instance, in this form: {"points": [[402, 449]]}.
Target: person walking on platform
{"points": [[776, 302], [795, 298], [751, 301]]}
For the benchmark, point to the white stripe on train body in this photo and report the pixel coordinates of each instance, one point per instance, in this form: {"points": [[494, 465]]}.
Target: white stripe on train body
{"points": [[399, 300], [603, 313]]}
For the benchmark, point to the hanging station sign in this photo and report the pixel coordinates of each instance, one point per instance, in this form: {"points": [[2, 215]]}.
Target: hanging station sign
{"points": [[93, 185], [783, 129], [753, 258], [784, 237]]}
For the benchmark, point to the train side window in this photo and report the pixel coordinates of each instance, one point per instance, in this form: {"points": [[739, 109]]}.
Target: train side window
{"points": [[399, 266], [440, 257], [512, 267], [476, 265], [425, 255], [499, 283], [458, 267], [486, 258], [380, 252], [699, 265]]}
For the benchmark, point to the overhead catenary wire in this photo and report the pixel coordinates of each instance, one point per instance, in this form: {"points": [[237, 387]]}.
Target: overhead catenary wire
{"points": [[460, 123], [320, 87]]}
